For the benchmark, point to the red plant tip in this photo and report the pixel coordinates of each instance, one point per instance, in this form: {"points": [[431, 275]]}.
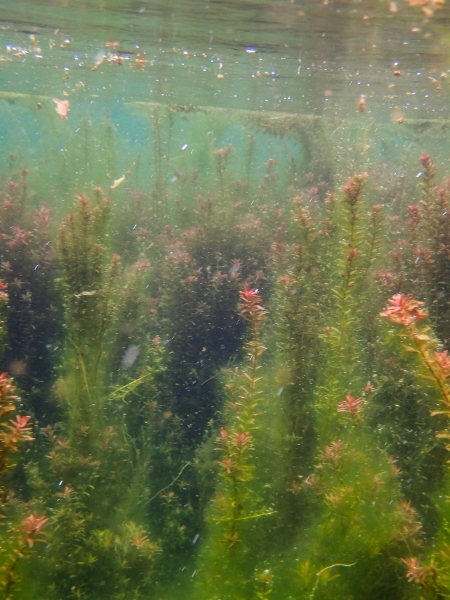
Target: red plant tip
{"points": [[333, 452], [287, 281], [350, 405], [31, 527], [351, 255], [6, 387], [443, 362], [413, 215], [418, 574], [19, 431], [404, 310], [250, 296], [369, 388], [353, 188], [241, 440], [229, 465], [251, 309], [21, 423], [426, 161]]}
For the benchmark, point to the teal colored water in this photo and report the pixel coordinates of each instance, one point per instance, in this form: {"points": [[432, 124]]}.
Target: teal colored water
{"points": [[224, 300]]}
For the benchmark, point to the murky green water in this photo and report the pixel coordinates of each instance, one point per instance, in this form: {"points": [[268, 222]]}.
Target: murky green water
{"points": [[224, 300]]}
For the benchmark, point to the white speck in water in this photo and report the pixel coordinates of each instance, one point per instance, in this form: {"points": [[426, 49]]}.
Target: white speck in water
{"points": [[129, 356]]}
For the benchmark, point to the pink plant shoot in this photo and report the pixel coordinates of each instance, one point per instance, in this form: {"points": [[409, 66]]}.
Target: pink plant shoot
{"points": [[404, 310], [250, 308], [351, 405], [32, 527], [443, 362]]}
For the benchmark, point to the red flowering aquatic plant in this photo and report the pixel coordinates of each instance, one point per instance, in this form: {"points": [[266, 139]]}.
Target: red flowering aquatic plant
{"points": [[250, 308], [425, 576], [12, 432], [351, 405], [333, 453], [22, 536], [406, 311], [29, 532], [32, 527]]}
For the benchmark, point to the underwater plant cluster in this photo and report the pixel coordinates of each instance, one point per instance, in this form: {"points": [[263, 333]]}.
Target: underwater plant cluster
{"points": [[249, 399]]}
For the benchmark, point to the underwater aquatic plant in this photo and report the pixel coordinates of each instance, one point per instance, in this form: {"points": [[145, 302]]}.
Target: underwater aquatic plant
{"points": [[87, 285], [235, 441], [237, 507], [21, 532], [405, 311], [12, 432], [423, 575], [28, 266], [351, 405], [24, 537], [425, 250], [350, 484]]}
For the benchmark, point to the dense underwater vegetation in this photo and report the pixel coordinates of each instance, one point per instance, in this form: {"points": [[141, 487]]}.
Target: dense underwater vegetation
{"points": [[224, 334]]}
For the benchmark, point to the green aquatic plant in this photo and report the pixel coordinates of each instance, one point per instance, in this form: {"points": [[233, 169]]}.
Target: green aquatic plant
{"points": [[340, 338], [235, 441], [226, 563], [222, 156], [431, 251], [24, 538], [422, 266], [403, 310], [351, 483], [87, 285], [98, 515], [99, 448], [301, 304]]}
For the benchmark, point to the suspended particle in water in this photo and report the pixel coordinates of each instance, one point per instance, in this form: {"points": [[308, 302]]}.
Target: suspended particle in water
{"points": [[129, 357], [99, 58], [117, 182], [361, 106], [62, 107]]}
